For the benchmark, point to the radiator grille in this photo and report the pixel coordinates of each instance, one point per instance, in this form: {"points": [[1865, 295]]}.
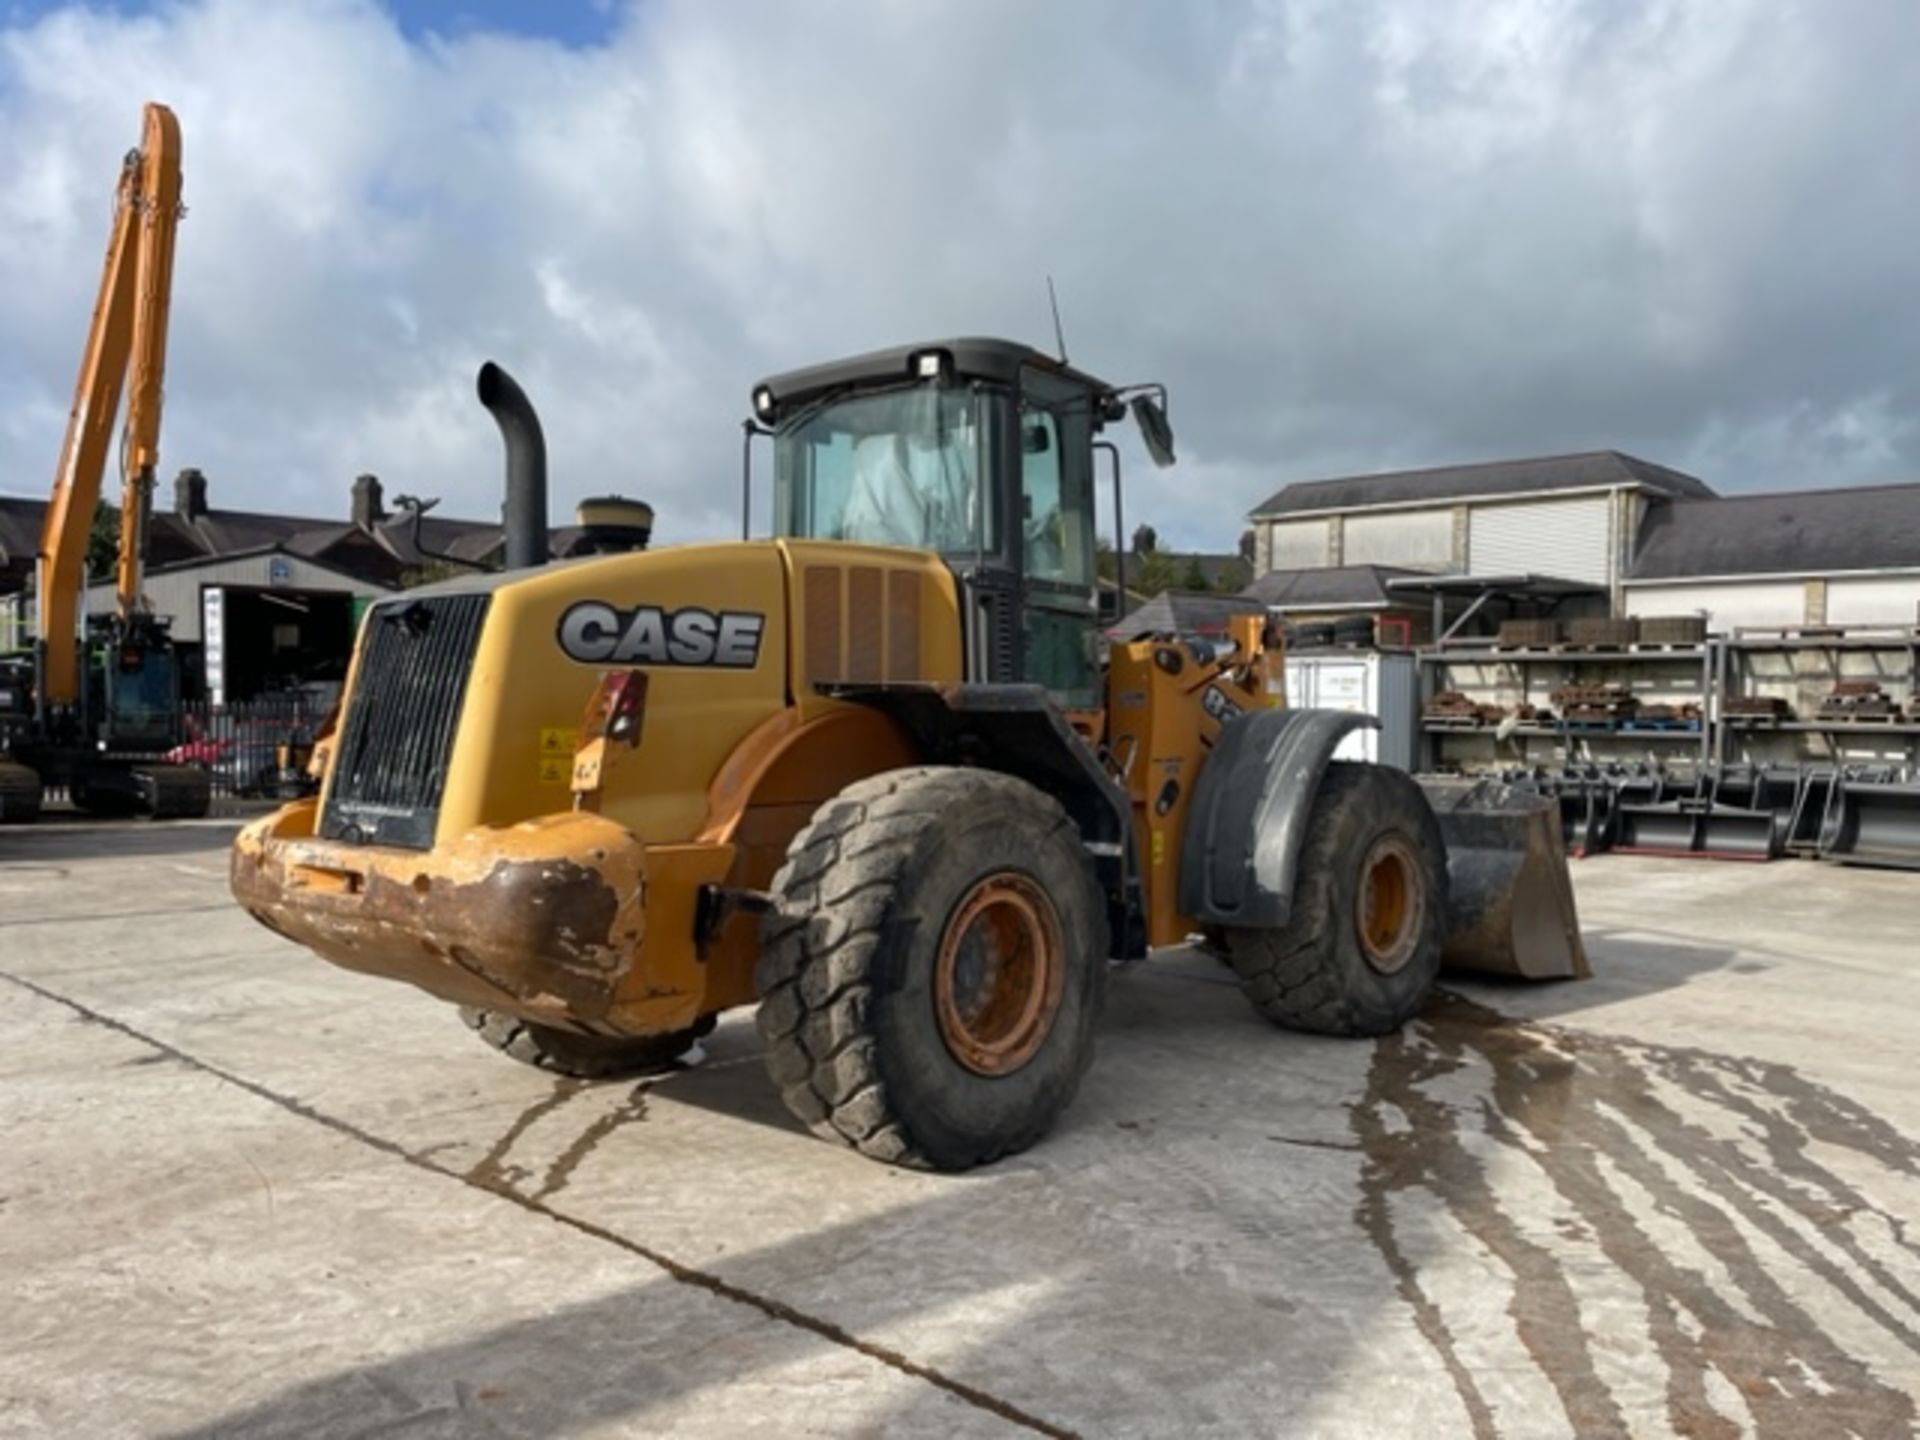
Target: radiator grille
{"points": [[390, 765], [903, 624], [862, 624], [823, 622], [866, 621]]}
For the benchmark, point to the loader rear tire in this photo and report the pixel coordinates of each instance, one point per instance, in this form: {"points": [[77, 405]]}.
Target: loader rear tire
{"points": [[1369, 912], [581, 1057], [930, 976]]}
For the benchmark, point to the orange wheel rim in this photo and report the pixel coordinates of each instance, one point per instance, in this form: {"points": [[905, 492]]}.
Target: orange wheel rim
{"points": [[1389, 905], [999, 974]]}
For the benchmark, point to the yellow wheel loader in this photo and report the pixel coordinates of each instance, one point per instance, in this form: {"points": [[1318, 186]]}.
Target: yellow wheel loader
{"points": [[878, 774]]}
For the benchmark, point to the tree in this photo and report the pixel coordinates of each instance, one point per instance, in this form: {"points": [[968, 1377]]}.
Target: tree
{"points": [[103, 539], [1195, 576], [1234, 577], [1150, 573], [432, 573], [1146, 540], [1249, 546]]}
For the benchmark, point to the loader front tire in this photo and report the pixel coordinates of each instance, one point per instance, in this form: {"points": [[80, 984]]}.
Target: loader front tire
{"points": [[580, 1057], [931, 973], [1369, 912]]}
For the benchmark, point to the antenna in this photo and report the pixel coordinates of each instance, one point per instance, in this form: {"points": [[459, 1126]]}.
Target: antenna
{"points": [[1059, 334]]}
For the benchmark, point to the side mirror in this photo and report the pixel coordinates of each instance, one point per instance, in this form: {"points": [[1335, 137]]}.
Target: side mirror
{"points": [[1155, 433]]}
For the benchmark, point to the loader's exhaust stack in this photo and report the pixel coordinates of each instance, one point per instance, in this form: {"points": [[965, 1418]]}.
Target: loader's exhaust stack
{"points": [[525, 508], [1510, 906]]}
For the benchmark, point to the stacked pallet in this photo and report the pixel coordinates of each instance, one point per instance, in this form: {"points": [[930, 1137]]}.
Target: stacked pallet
{"points": [[1602, 633], [1528, 634], [1451, 707], [1859, 700], [1602, 703], [1687, 715], [1673, 630], [1757, 707]]}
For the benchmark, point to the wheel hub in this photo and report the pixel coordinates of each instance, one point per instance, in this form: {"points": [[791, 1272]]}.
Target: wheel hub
{"points": [[1390, 904], [999, 974]]}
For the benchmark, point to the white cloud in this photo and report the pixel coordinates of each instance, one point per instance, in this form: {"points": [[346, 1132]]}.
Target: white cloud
{"points": [[1349, 235]]}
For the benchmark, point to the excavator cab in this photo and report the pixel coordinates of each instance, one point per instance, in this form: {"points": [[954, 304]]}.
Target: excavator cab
{"points": [[134, 687]]}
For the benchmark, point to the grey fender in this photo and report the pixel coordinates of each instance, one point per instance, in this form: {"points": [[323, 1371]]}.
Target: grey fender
{"points": [[1248, 818]]}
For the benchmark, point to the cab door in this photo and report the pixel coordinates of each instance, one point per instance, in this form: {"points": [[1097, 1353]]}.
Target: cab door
{"points": [[1055, 519]]}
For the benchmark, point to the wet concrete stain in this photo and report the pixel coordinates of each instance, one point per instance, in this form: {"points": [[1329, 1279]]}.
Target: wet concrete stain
{"points": [[1585, 1109], [493, 1170], [629, 1111], [497, 1171]]}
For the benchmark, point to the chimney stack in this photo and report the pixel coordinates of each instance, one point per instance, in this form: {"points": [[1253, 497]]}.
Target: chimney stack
{"points": [[190, 494], [367, 509]]}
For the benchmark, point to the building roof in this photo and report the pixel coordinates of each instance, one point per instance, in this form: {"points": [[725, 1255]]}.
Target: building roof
{"points": [[1183, 612], [380, 555], [1342, 585], [1594, 469], [1800, 532]]}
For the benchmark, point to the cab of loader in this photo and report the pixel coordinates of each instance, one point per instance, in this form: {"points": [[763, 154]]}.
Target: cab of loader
{"points": [[980, 451]]}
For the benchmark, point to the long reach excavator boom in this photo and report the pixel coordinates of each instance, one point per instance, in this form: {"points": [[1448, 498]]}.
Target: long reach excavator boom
{"points": [[126, 348], [104, 700]]}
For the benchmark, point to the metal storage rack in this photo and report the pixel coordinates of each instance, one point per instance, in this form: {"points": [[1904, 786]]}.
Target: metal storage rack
{"points": [[1898, 642], [1523, 664], [1725, 669]]}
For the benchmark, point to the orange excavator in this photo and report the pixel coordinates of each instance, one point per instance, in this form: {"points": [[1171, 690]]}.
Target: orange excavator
{"points": [[96, 703]]}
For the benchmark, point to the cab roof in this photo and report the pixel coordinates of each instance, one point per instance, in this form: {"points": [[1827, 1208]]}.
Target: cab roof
{"points": [[973, 357]]}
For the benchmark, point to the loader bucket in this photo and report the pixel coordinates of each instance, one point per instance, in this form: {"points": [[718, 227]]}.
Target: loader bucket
{"points": [[1510, 908]]}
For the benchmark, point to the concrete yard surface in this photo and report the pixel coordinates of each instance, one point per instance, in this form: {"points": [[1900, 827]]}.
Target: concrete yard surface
{"points": [[245, 1194]]}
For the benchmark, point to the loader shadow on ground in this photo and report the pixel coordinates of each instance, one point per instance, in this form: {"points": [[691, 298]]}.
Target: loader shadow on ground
{"points": [[733, 1082], [1625, 967], [1706, 1185], [579, 1367]]}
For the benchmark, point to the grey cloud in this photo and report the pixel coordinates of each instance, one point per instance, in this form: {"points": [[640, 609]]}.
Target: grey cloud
{"points": [[1349, 235]]}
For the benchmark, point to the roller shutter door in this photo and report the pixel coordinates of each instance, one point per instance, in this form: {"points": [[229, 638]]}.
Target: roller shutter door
{"points": [[1416, 539], [1298, 545], [1568, 539]]}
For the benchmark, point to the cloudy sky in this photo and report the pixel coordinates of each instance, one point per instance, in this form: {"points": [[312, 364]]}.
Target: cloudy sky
{"points": [[1350, 234]]}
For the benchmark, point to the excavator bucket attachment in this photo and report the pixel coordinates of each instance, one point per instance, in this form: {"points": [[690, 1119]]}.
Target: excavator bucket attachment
{"points": [[1510, 908]]}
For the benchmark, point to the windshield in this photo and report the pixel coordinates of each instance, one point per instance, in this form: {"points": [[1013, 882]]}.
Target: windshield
{"points": [[140, 700], [897, 467]]}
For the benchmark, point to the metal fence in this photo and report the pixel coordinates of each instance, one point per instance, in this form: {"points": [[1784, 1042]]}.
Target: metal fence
{"points": [[254, 750], [243, 746]]}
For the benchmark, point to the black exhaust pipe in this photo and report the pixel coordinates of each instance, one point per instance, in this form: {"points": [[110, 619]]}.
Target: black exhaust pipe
{"points": [[525, 508]]}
